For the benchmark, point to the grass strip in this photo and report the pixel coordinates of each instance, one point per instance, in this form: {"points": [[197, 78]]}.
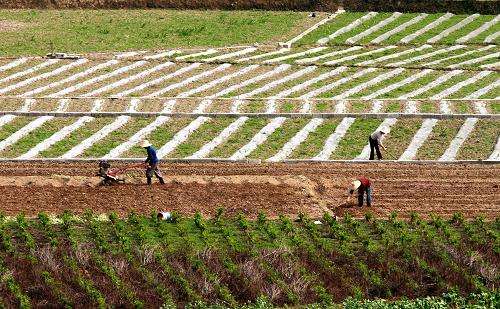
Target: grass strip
{"points": [[401, 134], [355, 139], [439, 140], [481, 142], [315, 140]]}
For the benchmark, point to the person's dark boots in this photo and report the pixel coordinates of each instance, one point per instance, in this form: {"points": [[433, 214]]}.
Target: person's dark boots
{"points": [[149, 180], [161, 180]]}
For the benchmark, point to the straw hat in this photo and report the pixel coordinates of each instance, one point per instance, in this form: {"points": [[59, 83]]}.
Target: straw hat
{"points": [[385, 130], [356, 184], [145, 143]]}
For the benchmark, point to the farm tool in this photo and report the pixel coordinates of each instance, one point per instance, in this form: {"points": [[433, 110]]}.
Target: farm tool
{"points": [[110, 176]]}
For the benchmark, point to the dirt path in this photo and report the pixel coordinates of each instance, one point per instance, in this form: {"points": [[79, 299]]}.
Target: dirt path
{"points": [[274, 188]]}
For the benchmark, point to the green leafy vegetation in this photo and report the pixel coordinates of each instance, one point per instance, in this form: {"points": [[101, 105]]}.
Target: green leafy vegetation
{"points": [[439, 140], [355, 139], [481, 142]]}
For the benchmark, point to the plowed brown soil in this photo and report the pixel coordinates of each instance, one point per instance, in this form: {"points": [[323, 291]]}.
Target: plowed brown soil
{"points": [[288, 189]]}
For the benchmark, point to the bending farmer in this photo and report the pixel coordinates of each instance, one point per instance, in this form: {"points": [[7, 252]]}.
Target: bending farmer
{"points": [[375, 140], [152, 163], [362, 185]]}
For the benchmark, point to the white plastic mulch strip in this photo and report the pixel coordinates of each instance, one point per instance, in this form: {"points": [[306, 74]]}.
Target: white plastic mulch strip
{"points": [[411, 107], [295, 141], [258, 138], [237, 103], [475, 60], [159, 79], [8, 118], [273, 53], [296, 55], [13, 64], [352, 57], [395, 55], [453, 28], [328, 55], [438, 81], [71, 78], [333, 140], [221, 138], [202, 53], [102, 133], [460, 55], [380, 78], [398, 84], [164, 54], [387, 123], [61, 134], [226, 56], [492, 37], [30, 127], [418, 139], [495, 155], [444, 107], [479, 93], [190, 80], [451, 153], [97, 79], [129, 79], [399, 28], [430, 26], [479, 30], [181, 136], [480, 107], [495, 65], [374, 28], [29, 70], [339, 82], [314, 27], [456, 87], [425, 56], [347, 28]]}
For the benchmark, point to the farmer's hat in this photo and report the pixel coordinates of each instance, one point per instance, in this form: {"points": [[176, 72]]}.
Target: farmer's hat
{"points": [[145, 143], [385, 130], [356, 184]]}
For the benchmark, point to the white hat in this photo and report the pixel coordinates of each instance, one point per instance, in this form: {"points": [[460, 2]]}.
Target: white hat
{"points": [[145, 143], [385, 130], [356, 184]]}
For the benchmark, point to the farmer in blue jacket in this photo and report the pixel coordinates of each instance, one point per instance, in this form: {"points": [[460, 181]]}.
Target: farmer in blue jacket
{"points": [[152, 162]]}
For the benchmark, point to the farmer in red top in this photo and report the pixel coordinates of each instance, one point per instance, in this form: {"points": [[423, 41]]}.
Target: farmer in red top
{"points": [[362, 185]]}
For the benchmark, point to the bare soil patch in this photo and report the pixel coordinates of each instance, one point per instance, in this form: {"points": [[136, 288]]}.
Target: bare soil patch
{"points": [[8, 25]]}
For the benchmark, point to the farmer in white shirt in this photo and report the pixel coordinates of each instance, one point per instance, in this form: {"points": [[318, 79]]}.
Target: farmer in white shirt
{"points": [[375, 140]]}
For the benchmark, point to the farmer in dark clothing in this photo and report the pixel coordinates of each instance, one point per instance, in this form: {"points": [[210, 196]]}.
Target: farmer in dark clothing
{"points": [[375, 140], [362, 185], [152, 163]]}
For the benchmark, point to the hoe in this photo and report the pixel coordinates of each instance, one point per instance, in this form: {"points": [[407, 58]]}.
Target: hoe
{"points": [[110, 176]]}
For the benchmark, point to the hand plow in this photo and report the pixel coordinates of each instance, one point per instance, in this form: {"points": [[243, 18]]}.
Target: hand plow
{"points": [[111, 176]]}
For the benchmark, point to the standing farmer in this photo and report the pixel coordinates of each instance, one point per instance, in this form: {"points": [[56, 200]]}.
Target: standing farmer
{"points": [[375, 140], [151, 162], [362, 185]]}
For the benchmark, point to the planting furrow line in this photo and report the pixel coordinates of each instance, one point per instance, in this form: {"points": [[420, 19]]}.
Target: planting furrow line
{"points": [[425, 56], [141, 134], [449, 91], [98, 79], [71, 78], [237, 103], [369, 83], [395, 55], [352, 57], [160, 79], [374, 28], [26, 107], [29, 70], [453, 28], [187, 81], [129, 79], [423, 30], [460, 55], [13, 64], [492, 37], [441, 79], [418, 140], [347, 28], [202, 53], [231, 55], [30, 127], [102, 133], [296, 55], [271, 103], [399, 28], [272, 53], [314, 27], [479, 30], [399, 84], [475, 60], [327, 55], [43, 76], [387, 123]]}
